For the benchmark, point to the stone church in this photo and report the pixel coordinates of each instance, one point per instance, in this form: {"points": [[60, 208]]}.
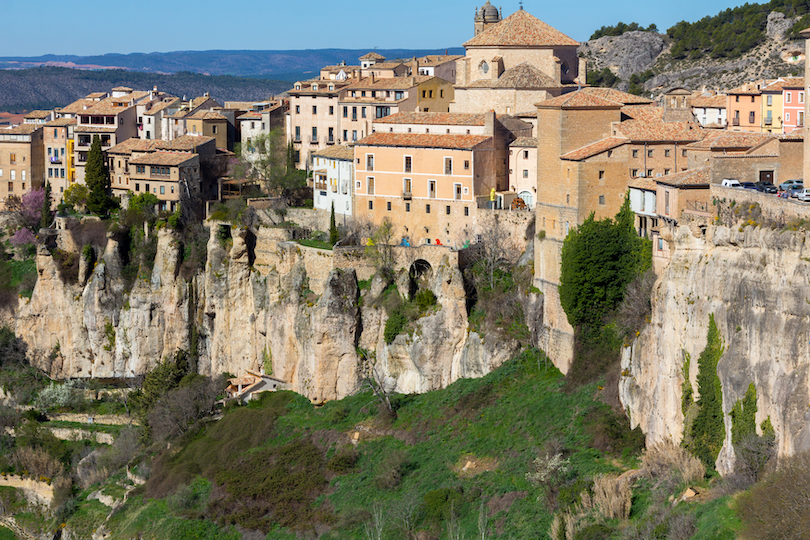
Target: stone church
{"points": [[513, 63]]}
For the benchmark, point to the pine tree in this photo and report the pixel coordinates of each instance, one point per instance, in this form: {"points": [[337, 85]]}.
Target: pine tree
{"points": [[333, 231], [97, 178], [45, 219]]}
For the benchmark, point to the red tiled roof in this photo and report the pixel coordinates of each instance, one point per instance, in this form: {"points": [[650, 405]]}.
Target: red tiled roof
{"points": [[694, 177], [591, 97], [790, 82], [434, 118], [522, 75], [640, 182], [372, 56], [734, 139], [163, 158], [525, 142], [520, 30], [22, 129], [595, 148], [646, 125], [338, 151], [710, 102], [419, 140]]}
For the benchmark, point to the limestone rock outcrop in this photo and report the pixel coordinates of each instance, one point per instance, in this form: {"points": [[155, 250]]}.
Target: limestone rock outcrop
{"points": [[755, 283], [300, 318]]}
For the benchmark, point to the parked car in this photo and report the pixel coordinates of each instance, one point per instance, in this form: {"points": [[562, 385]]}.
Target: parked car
{"points": [[748, 185], [792, 184], [730, 182], [766, 187], [803, 195]]}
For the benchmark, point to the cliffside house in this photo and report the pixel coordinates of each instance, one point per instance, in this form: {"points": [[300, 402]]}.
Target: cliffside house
{"points": [[523, 170], [744, 107], [710, 110], [333, 176], [175, 124], [170, 170], [21, 160], [57, 138], [426, 172], [793, 92], [249, 386]]}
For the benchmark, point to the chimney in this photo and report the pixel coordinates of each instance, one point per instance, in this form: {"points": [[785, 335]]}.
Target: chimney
{"points": [[489, 122]]}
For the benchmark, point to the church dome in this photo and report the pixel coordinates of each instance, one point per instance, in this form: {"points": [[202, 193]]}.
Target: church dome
{"points": [[489, 13]]}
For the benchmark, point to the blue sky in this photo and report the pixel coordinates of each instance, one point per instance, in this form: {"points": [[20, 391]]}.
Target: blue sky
{"points": [[90, 27]]}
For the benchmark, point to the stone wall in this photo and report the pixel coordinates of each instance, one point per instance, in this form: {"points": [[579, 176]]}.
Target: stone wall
{"points": [[309, 218], [774, 208]]}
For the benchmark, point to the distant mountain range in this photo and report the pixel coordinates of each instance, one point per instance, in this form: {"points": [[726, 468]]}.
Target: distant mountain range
{"points": [[283, 65]]}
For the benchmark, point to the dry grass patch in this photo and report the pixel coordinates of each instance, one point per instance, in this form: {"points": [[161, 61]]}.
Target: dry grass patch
{"points": [[666, 459], [469, 465]]}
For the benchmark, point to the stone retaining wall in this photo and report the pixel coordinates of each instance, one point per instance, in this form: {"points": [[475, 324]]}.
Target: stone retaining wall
{"points": [[108, 419], [773, 207]]}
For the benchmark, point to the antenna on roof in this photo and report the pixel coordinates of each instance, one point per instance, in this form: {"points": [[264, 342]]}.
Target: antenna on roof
{"points": [[521, 5]]}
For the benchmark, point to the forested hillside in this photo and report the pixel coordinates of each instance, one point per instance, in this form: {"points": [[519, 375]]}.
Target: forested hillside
{"points": [[735, 31], [48, 87]]}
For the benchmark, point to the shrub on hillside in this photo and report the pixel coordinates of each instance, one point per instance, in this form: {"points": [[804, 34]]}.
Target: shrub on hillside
{"points": [[666, 459], [779, 506]]}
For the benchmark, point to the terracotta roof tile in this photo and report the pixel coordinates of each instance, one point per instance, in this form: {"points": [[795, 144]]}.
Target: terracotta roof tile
{"points": [[525, 142], [418, 140], [38, 114], [520, 30], [595, 148], [736, 140], [164, 104], [250, 115], [434, 118], [579, 100], [694, 177], [186, 143], [640, 182], [61, 122], [338, 151], [206, 115], [646, 125], [96, 129], [710, 102], [372, 56], [790, 82], [22, 129], [163, 158], [522, 75]]}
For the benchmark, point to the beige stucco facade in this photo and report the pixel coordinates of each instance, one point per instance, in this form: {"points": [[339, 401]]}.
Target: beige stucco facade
{"points": [[21, 160]]}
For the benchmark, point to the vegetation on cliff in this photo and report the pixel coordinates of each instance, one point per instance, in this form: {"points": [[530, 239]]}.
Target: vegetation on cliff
{"points": [[621, 28], [732, 32]]}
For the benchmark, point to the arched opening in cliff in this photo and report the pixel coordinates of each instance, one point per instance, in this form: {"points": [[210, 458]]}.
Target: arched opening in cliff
{"points": [[419, 273]]}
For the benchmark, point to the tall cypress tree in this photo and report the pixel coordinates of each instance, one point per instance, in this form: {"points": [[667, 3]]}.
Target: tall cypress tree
{"points": [[334, 236], [97, 178], [45, 215]]}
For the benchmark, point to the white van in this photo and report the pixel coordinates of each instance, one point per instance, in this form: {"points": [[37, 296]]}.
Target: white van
{"points": [[731, 182]]}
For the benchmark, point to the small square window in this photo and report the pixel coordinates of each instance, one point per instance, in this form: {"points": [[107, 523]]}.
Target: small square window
{"points": [[601, 174], [635, 153], [601, 199], [371, 205], [427, 208], [388, 204], [407, 207], [466, 210], [447, 210]]}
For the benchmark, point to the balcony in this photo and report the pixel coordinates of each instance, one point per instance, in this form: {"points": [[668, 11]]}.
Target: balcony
{"points": [[320, 185], [735, 121], [313, 139], [768, 121], [330, 140], [407, 195], [56, 159]]}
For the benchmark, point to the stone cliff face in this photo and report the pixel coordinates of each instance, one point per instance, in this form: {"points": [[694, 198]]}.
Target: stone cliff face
{"points": [[240, 318], [755, 283]]}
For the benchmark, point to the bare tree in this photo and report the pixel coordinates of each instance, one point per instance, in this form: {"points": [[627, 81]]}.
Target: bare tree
{"points": [[177, 410], [374, 380], [379, 248], [375, 527], [453, 524], [483, 521], [407, 513], [498, 250]]}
